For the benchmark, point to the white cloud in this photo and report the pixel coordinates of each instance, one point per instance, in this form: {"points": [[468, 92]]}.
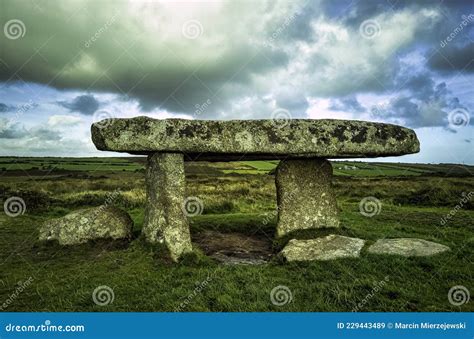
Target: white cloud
{"points": [[63, 120]]}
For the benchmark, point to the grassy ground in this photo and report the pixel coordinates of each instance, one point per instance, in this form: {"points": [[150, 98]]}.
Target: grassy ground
{"points": [[239, 203]]}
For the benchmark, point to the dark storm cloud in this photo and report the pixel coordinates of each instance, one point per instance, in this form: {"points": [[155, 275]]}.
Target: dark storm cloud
{"points": [[128, 55], [84, 104], [298, 23], [453, 59], [137, 50], [45, 133], [349, 104], [427, 103], [18, 131], [5, 108], [296, 103], [354, 12], [15, 131]]}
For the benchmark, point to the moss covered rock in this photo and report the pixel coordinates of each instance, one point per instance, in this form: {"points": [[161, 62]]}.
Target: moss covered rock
{"points": [[305, 196], [408, 247], [325, 248], [103, 222], [254, 139], [166, 211]]}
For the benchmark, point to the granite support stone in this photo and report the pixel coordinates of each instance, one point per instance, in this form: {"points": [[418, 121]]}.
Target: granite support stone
{"points": [[165, 221], [305, 195]]}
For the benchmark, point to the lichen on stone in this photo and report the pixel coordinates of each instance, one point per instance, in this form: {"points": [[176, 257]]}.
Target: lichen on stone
{"points": [[250, 138], [103, 222]]}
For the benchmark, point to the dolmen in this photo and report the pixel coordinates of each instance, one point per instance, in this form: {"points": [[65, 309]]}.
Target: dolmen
{"points": [[305, 196]]}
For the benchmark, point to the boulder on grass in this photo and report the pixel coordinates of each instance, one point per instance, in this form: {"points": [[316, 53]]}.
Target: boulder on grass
{"points": [[408, 247], [325, 248], [103, 222]]}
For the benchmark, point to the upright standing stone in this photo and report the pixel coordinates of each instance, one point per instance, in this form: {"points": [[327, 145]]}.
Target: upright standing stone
{"points": [[165, 221], [305, 196]]}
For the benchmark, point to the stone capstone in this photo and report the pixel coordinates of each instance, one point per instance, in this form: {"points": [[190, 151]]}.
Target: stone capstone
{"points": [[254, 139], [305, 196], [165, 221], [103, 222], [326, 248], [408, 247]]}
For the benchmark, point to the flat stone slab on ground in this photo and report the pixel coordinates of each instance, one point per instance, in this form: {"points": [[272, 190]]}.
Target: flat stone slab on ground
{"points": [[213, 140], [408, 247], [325, 248], [103, 222]]}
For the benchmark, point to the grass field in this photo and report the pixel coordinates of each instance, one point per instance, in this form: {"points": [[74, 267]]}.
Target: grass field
{"points": [[239, 201]]}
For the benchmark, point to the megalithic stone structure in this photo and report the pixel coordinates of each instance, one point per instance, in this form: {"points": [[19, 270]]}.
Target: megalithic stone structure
{"points": [[305, 196]]}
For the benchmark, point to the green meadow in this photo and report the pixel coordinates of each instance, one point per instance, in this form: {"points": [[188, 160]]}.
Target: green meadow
{"points": [[237, 221]]}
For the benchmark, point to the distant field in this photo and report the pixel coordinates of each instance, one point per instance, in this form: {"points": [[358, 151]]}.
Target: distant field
{"points": [[341, 168], [238, 218]]}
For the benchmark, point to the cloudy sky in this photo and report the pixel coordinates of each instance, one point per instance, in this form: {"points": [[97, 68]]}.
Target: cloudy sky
{"points": [[65, 64]]}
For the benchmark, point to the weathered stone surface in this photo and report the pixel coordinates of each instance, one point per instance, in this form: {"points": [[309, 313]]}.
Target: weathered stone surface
{"points": [[305, 195], [326, 248], [103, 222], [254, 139], [408, 247], [165, 221]]}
